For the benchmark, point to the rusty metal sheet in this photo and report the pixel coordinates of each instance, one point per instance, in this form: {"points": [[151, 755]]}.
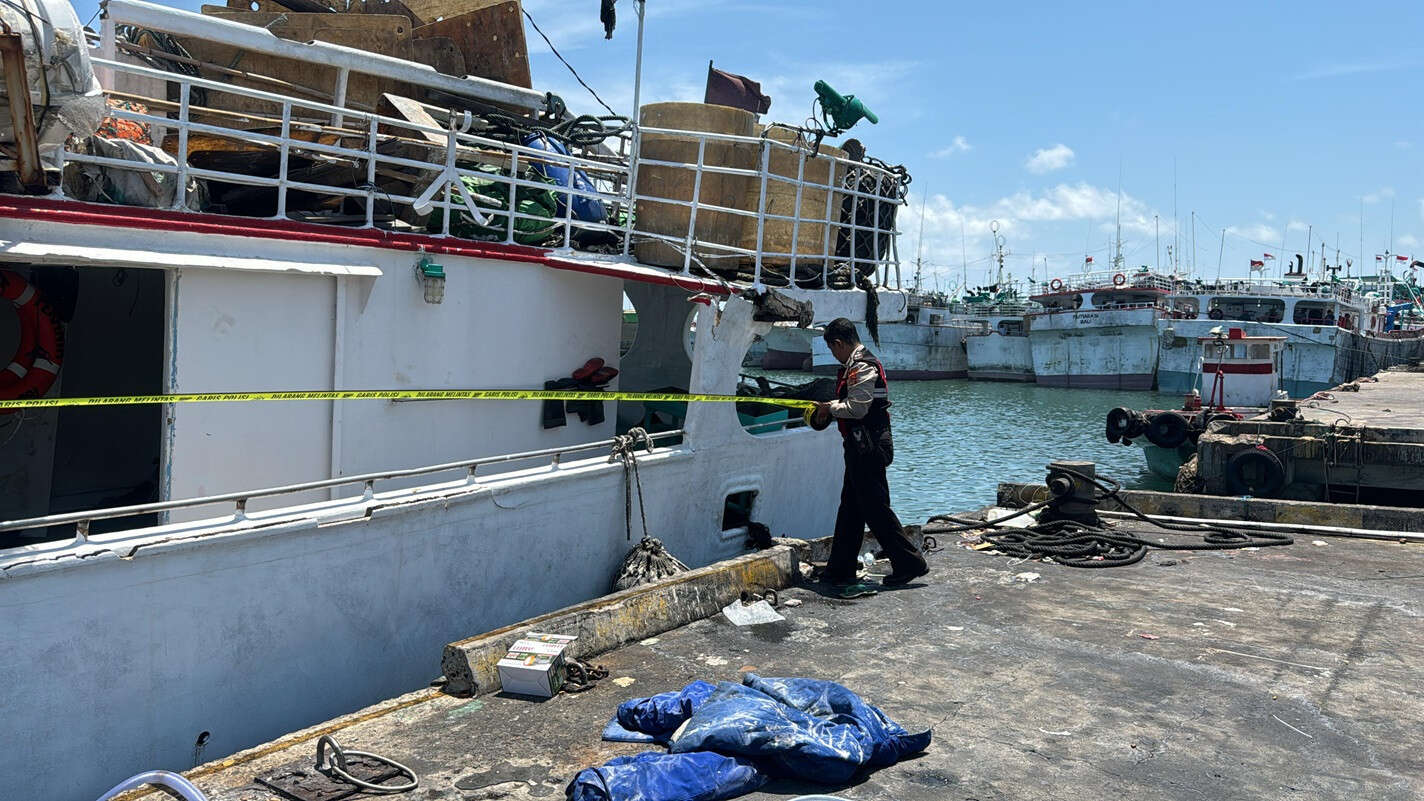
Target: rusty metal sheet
{"points": [[305, 783], [491, 40]]}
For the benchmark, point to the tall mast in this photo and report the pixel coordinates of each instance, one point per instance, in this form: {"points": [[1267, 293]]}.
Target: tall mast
{"points": [[920, 243], [1117, 252], [963, 256]]}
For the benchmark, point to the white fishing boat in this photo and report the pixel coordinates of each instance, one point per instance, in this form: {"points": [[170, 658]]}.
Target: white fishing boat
{"points": [[998, 347], [184, 580], [1098, 330], [1335, 330]]}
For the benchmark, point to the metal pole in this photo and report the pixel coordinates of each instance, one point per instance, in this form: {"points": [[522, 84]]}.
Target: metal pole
{"points": [[637, 125]]}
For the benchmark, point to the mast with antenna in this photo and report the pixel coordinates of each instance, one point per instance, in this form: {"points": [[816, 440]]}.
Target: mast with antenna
{"points": [[920, 243], [1117, 251]]}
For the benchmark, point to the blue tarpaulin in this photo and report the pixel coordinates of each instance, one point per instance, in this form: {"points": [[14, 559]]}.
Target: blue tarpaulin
{"points": [[654, 719], [806, 729], [653, 776]]}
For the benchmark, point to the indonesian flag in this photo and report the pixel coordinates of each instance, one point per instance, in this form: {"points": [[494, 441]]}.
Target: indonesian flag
{"points": [[1257, 264], [1401, 258], [1378, 258], [1087, 259], [1267, 256]]}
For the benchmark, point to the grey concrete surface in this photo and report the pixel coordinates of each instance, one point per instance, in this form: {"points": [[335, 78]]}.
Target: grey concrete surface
{"points": [[1280, 673]]}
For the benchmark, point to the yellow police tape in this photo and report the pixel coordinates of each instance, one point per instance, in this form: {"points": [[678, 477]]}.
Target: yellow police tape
{"points": [[396, 394]]}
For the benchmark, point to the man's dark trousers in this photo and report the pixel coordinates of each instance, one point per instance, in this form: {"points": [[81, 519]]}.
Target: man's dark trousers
{"points": [[865, 500]]}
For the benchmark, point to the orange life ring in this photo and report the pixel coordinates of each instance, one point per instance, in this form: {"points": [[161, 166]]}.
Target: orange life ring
{"points": [[1119, 279], [1056, 284], [36, 361]]}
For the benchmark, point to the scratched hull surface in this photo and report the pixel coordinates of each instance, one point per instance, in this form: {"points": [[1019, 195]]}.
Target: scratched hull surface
{"points": [[995, 357], [1100, 349]]}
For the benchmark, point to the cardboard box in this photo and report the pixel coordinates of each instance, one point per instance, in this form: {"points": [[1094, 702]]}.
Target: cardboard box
{"points": [[534, 665]]}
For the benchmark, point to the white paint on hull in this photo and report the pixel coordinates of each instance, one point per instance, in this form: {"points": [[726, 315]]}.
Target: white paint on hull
{"points": [[908, 351], [995, 357], [1109, 349]]}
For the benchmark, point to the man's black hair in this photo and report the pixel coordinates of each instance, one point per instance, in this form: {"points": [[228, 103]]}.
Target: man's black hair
{"points": [[843, 330]]}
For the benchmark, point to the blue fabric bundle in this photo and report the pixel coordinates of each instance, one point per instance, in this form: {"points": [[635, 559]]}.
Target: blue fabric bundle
{"points": [[800, 728], [654, 719], [651, 776]]}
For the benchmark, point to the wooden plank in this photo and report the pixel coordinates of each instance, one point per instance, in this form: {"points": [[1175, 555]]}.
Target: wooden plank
{"points": [[433, 10], [440, 52], [490, 38], [388, 34]]}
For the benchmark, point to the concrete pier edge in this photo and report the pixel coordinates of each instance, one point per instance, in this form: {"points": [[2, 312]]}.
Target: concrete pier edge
{"points": [[1245, 509], [607, 622]]}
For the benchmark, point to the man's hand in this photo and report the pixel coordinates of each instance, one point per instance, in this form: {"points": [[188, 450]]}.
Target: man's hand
{"points": [[820, 417]]}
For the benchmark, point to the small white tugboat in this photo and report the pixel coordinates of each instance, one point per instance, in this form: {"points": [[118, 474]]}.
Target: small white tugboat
{"points": [[1243, 376]]}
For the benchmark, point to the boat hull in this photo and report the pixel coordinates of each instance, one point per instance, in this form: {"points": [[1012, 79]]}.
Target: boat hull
{"points": [[787, 349], [995, 357], [909, 352], [1109, 349], [1165, 462]]}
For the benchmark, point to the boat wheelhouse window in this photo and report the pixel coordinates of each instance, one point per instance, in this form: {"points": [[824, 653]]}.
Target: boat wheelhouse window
{"points": [[1260, 350], [1188, 308], [1250, 310], [1122, 300], [1313, 313], [1211, 352], [1011, 328]]}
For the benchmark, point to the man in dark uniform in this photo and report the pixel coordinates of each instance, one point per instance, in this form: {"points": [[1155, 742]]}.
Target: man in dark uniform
{"points": [[862, 413]]}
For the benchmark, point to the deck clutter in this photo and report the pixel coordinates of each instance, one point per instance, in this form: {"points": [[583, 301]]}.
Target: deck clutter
{"points": [[418, 118]]}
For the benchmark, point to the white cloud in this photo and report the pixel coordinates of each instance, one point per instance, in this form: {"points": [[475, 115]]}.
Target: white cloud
{"points": [[1409, 241], [1421, 208], [1258, 232], [1383, 193], [1355, 68], [1297, 225], [958, 145], [1048, 159], [1266, 215], [1403, 144]]}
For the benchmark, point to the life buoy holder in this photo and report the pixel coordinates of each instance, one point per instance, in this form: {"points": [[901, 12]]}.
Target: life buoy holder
{"points": [[1216, 314], [1119, 279], [1056, 284], [40, 352]]}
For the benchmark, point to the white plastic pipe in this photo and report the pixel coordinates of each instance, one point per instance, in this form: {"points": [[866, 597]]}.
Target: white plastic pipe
{"points": [[1261, 525], [261, 40], [161, 778]]}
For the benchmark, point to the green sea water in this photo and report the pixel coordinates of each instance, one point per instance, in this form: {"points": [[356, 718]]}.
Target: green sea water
{"points": [[956, 440]]}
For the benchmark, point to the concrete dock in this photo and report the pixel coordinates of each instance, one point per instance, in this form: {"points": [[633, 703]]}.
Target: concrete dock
{"points": [[1280, 673], [1362, 442]]}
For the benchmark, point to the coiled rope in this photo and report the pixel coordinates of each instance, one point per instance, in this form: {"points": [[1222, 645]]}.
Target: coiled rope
{"points": [[1078, 544]]}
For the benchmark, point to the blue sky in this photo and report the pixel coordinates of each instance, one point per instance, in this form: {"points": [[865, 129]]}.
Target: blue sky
{"points": [[1277, 116]]}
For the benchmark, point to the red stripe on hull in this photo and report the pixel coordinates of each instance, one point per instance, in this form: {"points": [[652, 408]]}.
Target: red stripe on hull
{"points": [[1136, 382], [75, 213]]}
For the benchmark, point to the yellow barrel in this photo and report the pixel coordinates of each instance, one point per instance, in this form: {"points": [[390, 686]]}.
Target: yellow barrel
{"points": [[675, 183], [809, 241]]}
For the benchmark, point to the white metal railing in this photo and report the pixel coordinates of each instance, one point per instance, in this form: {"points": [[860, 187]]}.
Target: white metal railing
{"points": [[82, 519], [1107, 280], [430, 178], [1248, 286]]}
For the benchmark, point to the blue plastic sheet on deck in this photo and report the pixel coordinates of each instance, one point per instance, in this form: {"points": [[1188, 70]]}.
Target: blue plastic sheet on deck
{"points": [[653, 776], [807, 729]]}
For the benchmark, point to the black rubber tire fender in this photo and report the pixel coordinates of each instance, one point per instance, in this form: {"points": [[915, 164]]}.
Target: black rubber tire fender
{"points": [[1167, 429], [1119, 422], [1256, 472]]}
